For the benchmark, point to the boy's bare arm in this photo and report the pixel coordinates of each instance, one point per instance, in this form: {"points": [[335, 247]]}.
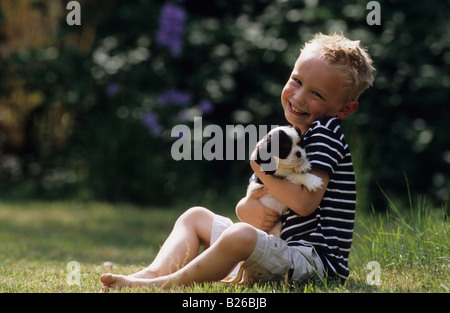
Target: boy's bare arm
{"points": [[295, 197]]}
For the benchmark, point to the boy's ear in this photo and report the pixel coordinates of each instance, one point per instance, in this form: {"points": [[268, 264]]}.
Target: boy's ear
{"points": [[348, 109]]}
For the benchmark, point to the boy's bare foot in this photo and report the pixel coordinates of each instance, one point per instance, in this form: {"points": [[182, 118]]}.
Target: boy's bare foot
{"points": [[113, 281], [145, 273]]}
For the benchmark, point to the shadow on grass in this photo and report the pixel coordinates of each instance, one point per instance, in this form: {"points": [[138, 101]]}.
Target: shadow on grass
{"points": [[92, 232]]}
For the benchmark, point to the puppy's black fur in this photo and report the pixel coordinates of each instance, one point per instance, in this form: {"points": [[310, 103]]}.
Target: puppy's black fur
{"points": [[267, 150]]}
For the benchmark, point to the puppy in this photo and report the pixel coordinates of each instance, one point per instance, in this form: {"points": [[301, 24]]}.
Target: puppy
{"points": [[280, 154]]}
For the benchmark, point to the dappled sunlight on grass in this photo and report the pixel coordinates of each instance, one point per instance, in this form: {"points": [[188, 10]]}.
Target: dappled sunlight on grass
{"points": [[38, 239]]}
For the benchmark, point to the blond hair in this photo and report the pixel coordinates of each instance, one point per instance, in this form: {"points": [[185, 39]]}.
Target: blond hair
{"points": [[351, 60]]}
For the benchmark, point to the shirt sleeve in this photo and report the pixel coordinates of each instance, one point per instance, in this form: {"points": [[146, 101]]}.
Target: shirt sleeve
{"points": [[324, 148]]}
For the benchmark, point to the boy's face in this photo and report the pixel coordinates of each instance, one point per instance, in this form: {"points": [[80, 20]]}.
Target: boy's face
{"points": [[313, 91]]}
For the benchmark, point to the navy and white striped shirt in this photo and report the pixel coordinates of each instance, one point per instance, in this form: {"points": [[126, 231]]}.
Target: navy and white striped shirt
{"points": [[330, 228]]}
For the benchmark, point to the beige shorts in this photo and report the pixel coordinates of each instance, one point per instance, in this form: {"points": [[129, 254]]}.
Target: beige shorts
{"points": [[272, 259]]}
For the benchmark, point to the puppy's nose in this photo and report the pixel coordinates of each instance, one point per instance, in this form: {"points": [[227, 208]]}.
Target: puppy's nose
{"points": [[298, 154]]}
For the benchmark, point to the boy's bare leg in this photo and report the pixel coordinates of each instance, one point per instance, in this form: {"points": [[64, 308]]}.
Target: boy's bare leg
{"points": [[191, 230], [234, 245]]}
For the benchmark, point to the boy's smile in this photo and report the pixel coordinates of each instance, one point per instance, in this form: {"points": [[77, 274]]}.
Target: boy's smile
{"points": [[312, 92]]}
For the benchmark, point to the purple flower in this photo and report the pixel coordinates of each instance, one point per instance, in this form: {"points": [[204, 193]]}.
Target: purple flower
{"points": [[171, 28], [206, 106], [112, 89], [151, 121], [175, 97]]}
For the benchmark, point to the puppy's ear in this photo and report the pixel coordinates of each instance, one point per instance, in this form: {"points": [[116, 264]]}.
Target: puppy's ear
{"points": [[265, 157], [285, 142]]}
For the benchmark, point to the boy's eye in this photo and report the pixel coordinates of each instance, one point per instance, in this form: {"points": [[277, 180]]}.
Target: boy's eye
{"points": [[317, 94], [297, 81]]}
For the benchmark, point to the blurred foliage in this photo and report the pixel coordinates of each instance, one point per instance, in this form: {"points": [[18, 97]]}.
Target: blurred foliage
{"points": [[87, 111]]}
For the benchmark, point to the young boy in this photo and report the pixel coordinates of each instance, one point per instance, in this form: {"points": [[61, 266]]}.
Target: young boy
{"points": [[328, 77]]}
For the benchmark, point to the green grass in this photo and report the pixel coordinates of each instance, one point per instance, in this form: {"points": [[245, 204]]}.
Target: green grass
{"points": [[38, 239]]}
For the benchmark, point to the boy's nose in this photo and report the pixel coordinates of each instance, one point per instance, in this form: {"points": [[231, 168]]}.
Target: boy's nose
{"points": [[298, 97]]}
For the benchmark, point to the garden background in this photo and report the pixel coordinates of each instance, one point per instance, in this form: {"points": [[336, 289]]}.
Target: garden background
{"points": [[86, 111]]}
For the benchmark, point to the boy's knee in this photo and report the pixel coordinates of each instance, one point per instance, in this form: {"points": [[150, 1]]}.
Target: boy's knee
{"points": [[240, 238], [198, 220], [195, 213]]}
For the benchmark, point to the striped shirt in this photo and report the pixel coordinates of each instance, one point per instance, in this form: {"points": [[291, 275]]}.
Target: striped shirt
{"points": [[330, 228]]}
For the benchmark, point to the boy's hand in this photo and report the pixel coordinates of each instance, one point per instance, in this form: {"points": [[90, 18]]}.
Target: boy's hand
{"points": [[250, 210]]}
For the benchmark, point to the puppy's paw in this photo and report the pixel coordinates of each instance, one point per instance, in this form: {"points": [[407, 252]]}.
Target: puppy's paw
{"points": [[312, 182]]}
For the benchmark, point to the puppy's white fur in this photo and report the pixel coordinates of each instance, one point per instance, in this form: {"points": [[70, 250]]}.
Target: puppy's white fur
{"points": [[295, 168]]}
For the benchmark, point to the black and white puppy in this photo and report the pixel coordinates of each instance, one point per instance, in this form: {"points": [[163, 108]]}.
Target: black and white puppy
{"points": [[280, 153]]}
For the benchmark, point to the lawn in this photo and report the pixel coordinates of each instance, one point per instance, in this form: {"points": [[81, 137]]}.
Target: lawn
{"points": [[64, 247]]}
